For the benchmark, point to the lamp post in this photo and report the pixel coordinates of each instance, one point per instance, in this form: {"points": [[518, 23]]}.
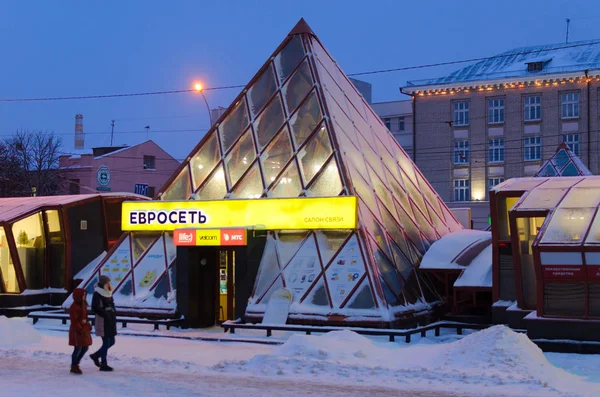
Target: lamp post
{"points": [[200, 89]]}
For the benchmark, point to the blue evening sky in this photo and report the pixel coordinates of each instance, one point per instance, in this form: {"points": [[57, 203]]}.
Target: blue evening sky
{"points": [[72, 48]]}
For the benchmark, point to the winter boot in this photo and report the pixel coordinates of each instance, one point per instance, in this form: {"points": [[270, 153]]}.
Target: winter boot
{"points": [[75, 370], [95, 359], [105, 368]]}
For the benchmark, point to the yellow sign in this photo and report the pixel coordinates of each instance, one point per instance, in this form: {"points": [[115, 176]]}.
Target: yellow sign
{"points": [[269, 214]]}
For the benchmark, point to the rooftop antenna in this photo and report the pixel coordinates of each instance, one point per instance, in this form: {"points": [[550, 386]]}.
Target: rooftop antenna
{"points": [[112, 131], [147, 131], [568, 22]]}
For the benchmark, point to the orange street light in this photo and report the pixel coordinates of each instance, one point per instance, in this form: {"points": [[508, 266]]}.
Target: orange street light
{"points": [[198, 87]]}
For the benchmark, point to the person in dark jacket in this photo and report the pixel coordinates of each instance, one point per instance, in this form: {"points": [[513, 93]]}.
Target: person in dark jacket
{"points": [[80, 330], [105, 323]]}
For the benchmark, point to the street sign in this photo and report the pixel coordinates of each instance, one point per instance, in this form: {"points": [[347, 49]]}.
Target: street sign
{"points": [[141, 188], [103, 176]]}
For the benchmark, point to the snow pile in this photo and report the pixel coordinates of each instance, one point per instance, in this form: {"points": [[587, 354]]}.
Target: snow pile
{"points": [[495, 357], [17, 332]]}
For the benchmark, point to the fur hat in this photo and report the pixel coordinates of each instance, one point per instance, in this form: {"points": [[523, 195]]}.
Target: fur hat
{"points": [[103, 280]]}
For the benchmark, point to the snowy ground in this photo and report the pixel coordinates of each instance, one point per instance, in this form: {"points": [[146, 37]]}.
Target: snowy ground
{"points": [[494, 362]]}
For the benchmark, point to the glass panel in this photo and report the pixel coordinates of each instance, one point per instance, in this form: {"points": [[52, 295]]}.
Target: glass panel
{"points": [[362, 298], [161, 291], [149, 269], [268, 269], [425, 226], [314, 154], [251, 186], [140, 244], [305, 120], [414, 193], [569, 170], [277, 285], [118, 264], [6, 265], [429, 193], [594, 233], [393, 229], [215, 188], [391, 299], [56, 249], [262, 90], [406, 165], [287, 60], [288, 244], [403, 264], [388, 272], [123, 296], [233, 126], [288, 184], [269, 122], [276, 156], [581, 197], [298, 87], [328, 183], [203, 162], [345, 272], [340, 116], [365, 192], [318, 296], [548, 170], [381, 190], [542, 199], [240, 158], [303, 269], [410, 227], [330, 241], [374, 228], [31, 248], [173, 278], [568, 225], [399, 193], [560, 159], [181, 188], [412, 290]]}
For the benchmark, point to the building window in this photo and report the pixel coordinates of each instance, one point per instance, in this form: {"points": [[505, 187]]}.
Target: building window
{"points": [[535, 66], [533, 108], [149, 163], [496, 150], [570, 105], [461, 113], [496, 111], [462, 190], [533, 148], [572, 141], [29, 237], [74, 186], [388, 124], [494, 181], [461, 152], [151, 190], [400, 123]]}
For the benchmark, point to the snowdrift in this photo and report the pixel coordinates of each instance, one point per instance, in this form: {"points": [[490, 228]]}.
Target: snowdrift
{"points": [[493, 357], [15, 332]]}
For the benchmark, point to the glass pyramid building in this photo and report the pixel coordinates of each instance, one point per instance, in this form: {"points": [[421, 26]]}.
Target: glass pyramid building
{"points": [[301, 129], [563, 163]]}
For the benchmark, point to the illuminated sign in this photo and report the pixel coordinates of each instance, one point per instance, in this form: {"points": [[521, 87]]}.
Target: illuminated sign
{"points": [[269, 214], [210, 237]]}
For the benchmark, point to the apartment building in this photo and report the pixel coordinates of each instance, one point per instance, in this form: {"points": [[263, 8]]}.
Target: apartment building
{"points": [[502, 117]]}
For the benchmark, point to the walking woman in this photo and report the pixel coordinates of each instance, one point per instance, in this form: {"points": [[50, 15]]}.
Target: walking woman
{"points": [[80, 329], [103, 307]]}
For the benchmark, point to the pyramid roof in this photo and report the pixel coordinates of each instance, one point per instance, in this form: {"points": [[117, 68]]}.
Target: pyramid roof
{"points": [[301, 129], [564, 162]]}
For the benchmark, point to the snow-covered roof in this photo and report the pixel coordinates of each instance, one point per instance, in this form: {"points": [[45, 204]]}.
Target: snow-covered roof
{"points": [[14, 207], [563, 163], [558, 58], [468, 251]]}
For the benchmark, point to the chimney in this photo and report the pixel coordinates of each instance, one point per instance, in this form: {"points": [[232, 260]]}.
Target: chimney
{"points": [[79, 132]]}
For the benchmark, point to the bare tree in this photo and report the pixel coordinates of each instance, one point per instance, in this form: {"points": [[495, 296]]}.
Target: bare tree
{"points": [[37, 154], [10, 172]]}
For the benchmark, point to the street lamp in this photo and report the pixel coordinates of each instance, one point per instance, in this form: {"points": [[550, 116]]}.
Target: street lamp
{"points": [[200, 89]]}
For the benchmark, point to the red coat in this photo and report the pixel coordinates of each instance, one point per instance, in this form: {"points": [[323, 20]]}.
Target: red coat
{"points": [[80, 331]]}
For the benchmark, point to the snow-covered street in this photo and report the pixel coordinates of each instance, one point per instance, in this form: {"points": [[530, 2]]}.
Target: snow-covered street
{"points": [[494, 362]]}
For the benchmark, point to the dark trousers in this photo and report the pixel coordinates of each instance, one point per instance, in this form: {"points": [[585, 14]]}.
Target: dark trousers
{"points": [[78, 353], [107, 343]]}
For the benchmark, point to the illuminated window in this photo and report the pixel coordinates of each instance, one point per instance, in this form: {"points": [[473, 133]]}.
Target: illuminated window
{"points": [[572, 141], [6, 265], [496, 150], [461, 152], [461, 113], [55, 249], [533, 108], [462, 190], [31, 247], [570, 105], [533, 148], [496, 111]]}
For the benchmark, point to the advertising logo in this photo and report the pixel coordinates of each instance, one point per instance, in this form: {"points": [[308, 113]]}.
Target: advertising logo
{"points": [[233, 237], [185, 237]]}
